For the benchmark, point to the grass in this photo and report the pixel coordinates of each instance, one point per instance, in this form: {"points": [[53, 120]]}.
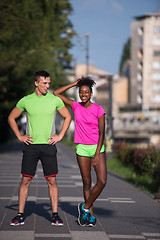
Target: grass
{"points": [[142, 181]]}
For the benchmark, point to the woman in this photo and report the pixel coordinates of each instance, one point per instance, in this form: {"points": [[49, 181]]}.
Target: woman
{"points": [[89, 136]]}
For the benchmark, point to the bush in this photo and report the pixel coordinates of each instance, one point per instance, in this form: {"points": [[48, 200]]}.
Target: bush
{"points": [[124, 152], [143, 160]]}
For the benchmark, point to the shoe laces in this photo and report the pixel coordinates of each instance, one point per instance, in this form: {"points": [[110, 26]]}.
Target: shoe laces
{"points": [[92, 218], [18, 217], [56, 217], [86, 214]]}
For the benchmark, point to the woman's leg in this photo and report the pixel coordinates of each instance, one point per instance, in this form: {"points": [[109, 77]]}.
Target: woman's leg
{"points": [[101, 173], [85, 169]]}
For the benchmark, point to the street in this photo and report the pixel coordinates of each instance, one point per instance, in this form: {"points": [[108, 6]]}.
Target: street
{"points": [[122, 211]]}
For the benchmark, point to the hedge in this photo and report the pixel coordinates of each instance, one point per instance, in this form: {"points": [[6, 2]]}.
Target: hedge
{"points": [[144, 160]]}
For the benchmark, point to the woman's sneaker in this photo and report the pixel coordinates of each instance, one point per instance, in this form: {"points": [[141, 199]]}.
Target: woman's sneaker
{"points": [[56, 220], [92, 221], [17, 220], [83, 218]]}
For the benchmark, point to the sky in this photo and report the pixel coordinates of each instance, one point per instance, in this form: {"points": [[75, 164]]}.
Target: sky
{"points": [[108, 23]]}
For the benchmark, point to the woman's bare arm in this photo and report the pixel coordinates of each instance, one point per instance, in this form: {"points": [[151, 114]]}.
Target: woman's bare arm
{"points": [[58, 92]]}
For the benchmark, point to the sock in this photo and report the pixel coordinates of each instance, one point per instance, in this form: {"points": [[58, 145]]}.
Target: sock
{"points": [[20, 214], [86, 210], [54, 214]]}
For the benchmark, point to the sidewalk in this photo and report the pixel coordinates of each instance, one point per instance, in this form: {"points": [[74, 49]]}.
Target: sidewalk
{"points": [[122, 211]]}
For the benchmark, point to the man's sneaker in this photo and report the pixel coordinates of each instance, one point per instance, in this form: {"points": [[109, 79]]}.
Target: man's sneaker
{"points": [[56, 220], [83, 218], [17, 220], [92, 221]]}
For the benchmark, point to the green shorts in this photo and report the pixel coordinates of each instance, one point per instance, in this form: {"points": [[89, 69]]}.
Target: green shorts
{"points": [[87, 150]]}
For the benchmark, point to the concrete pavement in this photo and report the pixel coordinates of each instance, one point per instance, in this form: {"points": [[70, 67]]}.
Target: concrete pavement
{"points": [[122, 211]]}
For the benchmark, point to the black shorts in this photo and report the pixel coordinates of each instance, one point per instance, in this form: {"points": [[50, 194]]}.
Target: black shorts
{"points": [[33, 153]]}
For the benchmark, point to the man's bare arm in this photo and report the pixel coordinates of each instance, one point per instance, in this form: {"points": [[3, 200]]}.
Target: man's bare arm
{"points": [[16, 112]]}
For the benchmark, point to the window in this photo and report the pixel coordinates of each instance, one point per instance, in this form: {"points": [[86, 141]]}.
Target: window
{"points": [[156, 65], [156, 76], [156, 87], [156, 99], [156, 53], [156, 42], [141, 42], [140, 30], [139, 66], [139, 76], [139, 99], [156, 29], [139, 88], [140, 54]]}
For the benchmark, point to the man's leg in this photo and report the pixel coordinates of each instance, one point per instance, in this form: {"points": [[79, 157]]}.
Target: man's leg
{"points": [[50, 168], [53, 192], [23, 192]]}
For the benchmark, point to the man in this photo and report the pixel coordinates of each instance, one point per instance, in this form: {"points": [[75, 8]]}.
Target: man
{"points": [[39, 140]]}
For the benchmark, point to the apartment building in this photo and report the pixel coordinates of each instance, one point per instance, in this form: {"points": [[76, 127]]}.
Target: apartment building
{"points": [[145, 61]]}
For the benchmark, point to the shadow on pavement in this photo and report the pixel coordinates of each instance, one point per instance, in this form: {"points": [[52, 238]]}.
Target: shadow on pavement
{"points": [[72, 210], [40, 209]]}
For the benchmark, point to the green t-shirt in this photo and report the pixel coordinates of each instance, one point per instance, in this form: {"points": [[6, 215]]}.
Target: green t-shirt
{"points": [[40, 115]]}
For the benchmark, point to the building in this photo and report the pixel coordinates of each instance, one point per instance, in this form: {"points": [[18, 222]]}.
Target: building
{"points": [[145, 61], [119, 94]]}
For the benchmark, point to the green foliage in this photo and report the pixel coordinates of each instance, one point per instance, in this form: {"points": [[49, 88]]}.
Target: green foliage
{"points": [[32, 35], [124, 152], [143, 181], [144, 162]]}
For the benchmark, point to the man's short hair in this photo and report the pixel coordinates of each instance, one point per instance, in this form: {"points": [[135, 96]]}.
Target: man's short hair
{"points": [[40, 74]]}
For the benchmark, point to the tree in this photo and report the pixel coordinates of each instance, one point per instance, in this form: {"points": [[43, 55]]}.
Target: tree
{"points": [[32, 34], [125, 54]]}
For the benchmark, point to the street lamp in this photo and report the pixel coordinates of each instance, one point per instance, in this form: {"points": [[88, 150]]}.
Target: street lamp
{"points": [[69, 27]]}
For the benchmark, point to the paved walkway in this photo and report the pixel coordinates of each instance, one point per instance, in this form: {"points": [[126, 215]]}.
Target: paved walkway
{"points": [[122, 211]]}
